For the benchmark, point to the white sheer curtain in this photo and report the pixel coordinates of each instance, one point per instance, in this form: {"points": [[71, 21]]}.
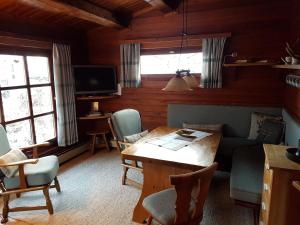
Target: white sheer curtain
{"points": [[212, 49], [130, 65], [65, 100]]}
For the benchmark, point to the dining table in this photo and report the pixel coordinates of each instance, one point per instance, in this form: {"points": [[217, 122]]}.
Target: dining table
{"points": [[160, 162]]}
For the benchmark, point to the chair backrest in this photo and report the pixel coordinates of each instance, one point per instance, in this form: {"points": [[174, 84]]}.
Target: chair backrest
{"points": [[126, 122], [192, 190], [4, 144]]}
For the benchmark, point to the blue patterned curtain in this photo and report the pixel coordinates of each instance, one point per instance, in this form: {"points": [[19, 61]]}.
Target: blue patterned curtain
{"points": [[65, 100], [130, 65], [212, 49]]}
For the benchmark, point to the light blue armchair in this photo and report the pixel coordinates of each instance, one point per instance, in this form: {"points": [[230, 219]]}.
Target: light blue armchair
{"points": [[30, 175], [126, 123]]}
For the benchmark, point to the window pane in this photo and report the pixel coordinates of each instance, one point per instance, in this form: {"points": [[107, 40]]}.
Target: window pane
{"points": [[38, 69], [19, 134], [44, 128], [12, 71], [15, 104], [41, 100], [170, 63]]}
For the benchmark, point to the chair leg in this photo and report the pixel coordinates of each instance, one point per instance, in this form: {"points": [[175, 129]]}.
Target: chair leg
{"points": [[124, 175], [5, 209], [105, 141], [57, 186], [18, 195], [93, 142], [149, 221], [48, 200]]}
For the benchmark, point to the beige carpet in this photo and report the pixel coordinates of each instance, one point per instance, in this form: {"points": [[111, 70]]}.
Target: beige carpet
{"points": [[92, 194]]}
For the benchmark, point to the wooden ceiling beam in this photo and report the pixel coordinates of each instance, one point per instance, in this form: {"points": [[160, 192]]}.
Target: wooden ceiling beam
{"points": [[166, 6], [80, 9]]}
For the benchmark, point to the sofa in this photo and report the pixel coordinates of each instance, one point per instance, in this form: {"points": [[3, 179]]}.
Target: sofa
{"points": [[243, 157]]}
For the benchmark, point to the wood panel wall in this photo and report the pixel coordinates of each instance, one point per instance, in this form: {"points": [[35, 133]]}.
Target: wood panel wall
{"points": [[292, 95], [258, 31]]}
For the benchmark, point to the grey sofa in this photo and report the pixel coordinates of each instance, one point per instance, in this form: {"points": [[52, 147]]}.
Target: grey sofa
{"points": [[245, 156]]}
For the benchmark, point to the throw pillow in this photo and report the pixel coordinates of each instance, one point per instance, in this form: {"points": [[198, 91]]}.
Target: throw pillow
{"points": [[205, 127], [135, 137], [257, 120], [13, 155], [271, 132]]}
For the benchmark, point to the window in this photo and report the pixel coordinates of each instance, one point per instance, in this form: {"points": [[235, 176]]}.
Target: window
{"points": [[170, 63], [26, 97]]}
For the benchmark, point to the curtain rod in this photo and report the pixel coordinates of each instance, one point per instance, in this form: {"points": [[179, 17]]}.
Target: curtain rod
{"points": [[163, 39]]}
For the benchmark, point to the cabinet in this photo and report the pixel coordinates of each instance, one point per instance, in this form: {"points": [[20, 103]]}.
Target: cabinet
{"points": [[280, 200]]}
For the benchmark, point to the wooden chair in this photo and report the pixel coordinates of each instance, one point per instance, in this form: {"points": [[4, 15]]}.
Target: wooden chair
{"points": [[33, 174], [183, 204], [123, 123]]}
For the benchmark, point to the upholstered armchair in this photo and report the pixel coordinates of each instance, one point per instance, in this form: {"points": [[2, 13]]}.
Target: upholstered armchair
{"points": [[20, 174], [126, 127]]}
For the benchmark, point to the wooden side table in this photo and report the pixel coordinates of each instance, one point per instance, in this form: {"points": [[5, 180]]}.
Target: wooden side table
{"points": [[96, 133], [93, 139], [280, 200]]}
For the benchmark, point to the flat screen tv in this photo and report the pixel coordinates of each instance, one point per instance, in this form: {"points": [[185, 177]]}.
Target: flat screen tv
{"points": [[93, 80]]}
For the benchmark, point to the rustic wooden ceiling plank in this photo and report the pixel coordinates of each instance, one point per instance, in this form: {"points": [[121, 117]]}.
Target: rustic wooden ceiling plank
{"points": [[165, 6], [80, 9]]}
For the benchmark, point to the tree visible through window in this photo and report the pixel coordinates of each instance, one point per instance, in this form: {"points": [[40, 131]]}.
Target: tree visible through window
{"points": [[170, 63], [26, 93]]}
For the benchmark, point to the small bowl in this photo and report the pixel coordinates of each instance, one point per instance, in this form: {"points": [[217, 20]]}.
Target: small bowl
{"points": [[293, 154]]}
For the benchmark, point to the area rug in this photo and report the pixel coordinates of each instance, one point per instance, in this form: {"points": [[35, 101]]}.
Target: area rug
{"points": [[92, 194]]}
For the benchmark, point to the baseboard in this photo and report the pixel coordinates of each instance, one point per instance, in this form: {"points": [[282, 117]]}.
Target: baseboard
{"points": [[73, 152]]}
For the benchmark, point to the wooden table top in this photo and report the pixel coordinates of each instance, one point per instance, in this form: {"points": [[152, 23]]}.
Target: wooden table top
{"points": [[276, 158], [198, 154]]}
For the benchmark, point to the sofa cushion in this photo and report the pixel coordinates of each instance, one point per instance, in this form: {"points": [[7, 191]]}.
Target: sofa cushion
{"points": [[246, 177], [271, 132], [204, 127], [36, 174], [229, 144], [257, 119]]}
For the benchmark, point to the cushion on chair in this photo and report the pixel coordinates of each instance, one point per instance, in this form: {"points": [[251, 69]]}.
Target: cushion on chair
{"points": [[5, 148], [38, 174], [13, 155], [161, 206], [246, 177], [135, 137], [126, 122]]}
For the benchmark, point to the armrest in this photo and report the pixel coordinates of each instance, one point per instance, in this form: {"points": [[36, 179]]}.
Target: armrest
{"points": [[45, 144], [127, 144], [22, 162]]}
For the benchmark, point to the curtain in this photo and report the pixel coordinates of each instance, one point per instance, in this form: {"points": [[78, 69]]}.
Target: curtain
{"points": [[65, 100], [212, 49], [130, 65]]}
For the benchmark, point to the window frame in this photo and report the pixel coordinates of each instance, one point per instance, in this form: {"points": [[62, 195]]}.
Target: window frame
{"points": [[166, 76], [28, 86]]}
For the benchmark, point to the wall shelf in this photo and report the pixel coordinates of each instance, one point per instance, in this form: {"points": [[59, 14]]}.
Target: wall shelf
{"points": [[247, 64], [287, 66], [95, 98]]}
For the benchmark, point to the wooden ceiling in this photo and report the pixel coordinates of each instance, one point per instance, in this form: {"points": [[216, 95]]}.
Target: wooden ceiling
{"points": [[88, 14]]}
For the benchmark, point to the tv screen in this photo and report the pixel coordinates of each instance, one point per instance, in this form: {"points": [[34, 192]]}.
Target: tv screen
{"points": [[95, 79]]}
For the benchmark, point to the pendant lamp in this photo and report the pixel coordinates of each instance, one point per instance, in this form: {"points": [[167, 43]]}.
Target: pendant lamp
{"points": [[183, 80], [177, 83]]}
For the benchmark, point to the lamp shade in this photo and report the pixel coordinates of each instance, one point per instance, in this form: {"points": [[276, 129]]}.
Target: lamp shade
{"points": [[191, 81], [177, 83]]}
